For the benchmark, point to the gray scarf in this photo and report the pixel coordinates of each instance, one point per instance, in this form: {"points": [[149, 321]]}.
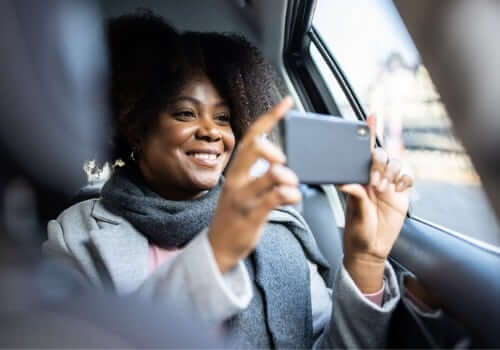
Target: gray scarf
{"points": [[167, 223], [280, 314]]}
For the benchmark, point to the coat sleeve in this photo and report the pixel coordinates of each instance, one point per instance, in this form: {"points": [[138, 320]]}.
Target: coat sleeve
{"points": [[353, 321], [191, 280]]}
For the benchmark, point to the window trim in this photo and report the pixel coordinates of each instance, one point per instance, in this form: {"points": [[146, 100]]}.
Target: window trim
{"points": [[491, 248], [337, 72]]}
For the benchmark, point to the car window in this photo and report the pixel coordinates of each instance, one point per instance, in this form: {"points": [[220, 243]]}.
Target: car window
{"points": [[376, 53], [341, 101]]}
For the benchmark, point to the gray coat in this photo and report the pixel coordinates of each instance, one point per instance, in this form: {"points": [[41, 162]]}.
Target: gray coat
{"points": [[103, 246]]}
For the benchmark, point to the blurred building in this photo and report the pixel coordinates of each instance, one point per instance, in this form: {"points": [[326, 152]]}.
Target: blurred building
{"points": [[414, 125]]}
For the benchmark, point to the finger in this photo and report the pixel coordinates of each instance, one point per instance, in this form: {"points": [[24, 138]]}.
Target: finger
{"points": [[390, 175], [247, 155], [379, 163], [371, 120], [280, 195], [254, 146], [268, 120], [404, 182], [354, 190], [277, 175]]}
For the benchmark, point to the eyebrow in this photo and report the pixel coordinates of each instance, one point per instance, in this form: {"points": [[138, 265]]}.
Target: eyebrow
{"points": [[195, 101]]}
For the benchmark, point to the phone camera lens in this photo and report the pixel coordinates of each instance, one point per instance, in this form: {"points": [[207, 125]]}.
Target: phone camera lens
{"points": [[362, 131]]}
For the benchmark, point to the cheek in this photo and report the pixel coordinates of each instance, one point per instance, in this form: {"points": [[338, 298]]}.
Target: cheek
{"points": [[163, 141], [171, 136], [229, 140], [229, 144], [174, 134]]}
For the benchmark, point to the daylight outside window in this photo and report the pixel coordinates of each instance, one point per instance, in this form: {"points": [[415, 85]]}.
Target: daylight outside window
{"points": [[372, 46]]}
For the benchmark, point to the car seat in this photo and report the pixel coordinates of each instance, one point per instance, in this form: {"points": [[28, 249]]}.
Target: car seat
{"points": [[318, 213]]}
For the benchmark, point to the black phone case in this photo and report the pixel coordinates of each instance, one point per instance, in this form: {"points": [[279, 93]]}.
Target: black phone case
{"points": [[324, 149]]}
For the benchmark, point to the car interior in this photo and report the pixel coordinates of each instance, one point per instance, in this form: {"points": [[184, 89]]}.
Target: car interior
{"points": [[447, 271]]}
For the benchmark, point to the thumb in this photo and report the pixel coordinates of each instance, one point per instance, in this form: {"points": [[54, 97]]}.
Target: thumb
{"points": [[355, 190]]}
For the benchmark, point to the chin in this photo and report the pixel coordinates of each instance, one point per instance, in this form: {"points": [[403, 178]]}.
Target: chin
{"points": [[206, 183]]}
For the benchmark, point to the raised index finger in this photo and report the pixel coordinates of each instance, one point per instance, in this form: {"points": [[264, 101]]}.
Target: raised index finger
{"points": [[267, 121]]}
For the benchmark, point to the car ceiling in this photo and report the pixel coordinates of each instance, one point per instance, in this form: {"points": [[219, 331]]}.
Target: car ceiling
{"points": [[260, 21]]}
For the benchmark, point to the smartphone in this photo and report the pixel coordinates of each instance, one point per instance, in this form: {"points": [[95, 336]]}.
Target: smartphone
{"points": [[324, 149]]}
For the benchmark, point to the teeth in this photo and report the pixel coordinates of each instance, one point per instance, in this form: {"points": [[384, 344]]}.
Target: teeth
{"points": [[205, 156]]}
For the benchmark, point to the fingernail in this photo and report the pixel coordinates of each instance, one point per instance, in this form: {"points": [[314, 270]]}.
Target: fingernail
{"points": [[399, 186], [293, 177], [283, 157], [383, 185], [375, 178], [283, 171], [287, 191]]}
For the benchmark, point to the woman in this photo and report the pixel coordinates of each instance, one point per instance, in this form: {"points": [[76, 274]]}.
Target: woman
{"points": [[168, 226]]}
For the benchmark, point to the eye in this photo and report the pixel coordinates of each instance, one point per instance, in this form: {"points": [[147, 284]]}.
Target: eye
{"points": [[184, 115], [223, 118]]}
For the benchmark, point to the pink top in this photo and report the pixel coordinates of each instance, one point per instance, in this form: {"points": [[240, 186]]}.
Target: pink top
{"points": [[158, 256], [378, 297]]}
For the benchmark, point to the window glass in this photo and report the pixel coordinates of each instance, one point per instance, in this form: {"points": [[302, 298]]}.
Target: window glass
{"points": [[370, 42], [340, 98]]}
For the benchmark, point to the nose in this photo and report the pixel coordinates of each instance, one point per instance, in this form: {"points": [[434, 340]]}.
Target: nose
{"points": [[208, 130]]}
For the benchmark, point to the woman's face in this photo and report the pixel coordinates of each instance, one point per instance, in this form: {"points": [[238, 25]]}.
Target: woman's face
{"points": [[191, 144]]}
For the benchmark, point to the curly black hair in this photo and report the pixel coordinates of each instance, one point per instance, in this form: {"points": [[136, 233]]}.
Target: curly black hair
{"points": [[150, 61]]}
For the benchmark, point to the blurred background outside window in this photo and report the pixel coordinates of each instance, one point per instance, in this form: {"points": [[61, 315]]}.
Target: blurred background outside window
{"points": [[372, 46]]}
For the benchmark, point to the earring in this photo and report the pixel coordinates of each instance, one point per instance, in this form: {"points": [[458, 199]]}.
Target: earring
{"points": [[134, 153]]}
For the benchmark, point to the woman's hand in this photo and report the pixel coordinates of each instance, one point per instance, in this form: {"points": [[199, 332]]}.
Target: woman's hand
{"points": [[374, 218], [245, 201]]}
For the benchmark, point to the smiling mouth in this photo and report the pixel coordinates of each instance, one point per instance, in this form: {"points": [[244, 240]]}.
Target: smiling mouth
{"points": [[204, 158]]}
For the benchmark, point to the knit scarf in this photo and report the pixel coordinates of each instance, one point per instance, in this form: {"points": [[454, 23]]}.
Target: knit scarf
{"points": [[280, 313], [167, 223]]}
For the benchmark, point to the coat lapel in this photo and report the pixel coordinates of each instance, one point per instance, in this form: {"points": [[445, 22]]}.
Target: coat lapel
{"points": [[117, 244]]}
